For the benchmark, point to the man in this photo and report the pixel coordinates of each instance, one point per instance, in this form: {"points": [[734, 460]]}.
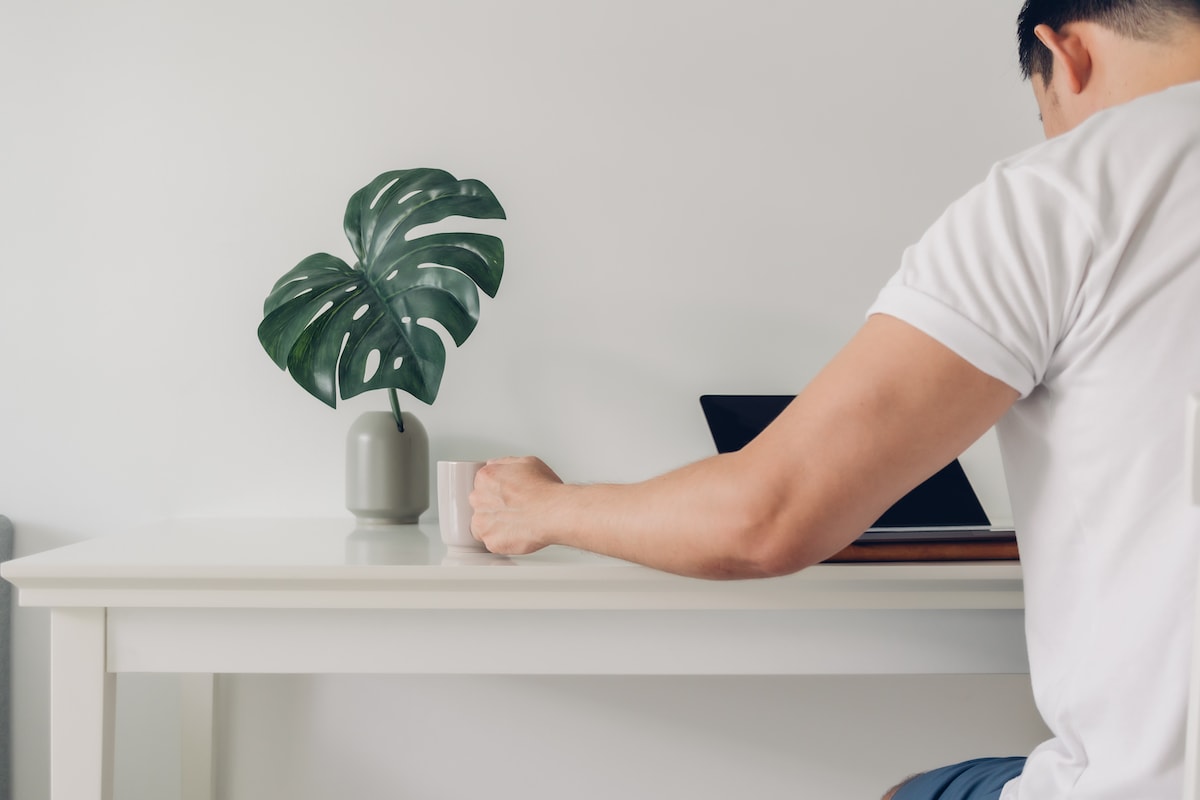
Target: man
{"points": [[1059, 300]]}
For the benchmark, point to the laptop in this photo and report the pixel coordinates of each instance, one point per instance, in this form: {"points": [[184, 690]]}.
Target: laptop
{"points": [[944, 508]]}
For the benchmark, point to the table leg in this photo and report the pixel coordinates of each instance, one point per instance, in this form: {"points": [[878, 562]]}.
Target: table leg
{"points": [[82, 697], [196, 736]]}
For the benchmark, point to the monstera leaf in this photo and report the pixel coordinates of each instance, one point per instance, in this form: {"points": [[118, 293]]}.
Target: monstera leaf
{"points": [[356, 328]]}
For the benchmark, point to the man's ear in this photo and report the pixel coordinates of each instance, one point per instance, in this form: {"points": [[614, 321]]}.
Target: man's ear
{"points": [[1072, 59]]}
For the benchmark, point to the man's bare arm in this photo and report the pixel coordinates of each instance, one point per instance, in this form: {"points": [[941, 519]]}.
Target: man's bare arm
{"points": [[893, 407]]}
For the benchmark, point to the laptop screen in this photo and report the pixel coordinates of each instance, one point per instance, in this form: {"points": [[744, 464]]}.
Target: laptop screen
{"points": [[945, 500]]}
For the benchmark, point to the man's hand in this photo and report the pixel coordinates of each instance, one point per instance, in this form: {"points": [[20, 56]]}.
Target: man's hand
{"points": [[510, 500]]}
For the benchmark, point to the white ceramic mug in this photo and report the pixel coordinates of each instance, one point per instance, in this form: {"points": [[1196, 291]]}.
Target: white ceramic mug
{"points": [[456, 479]]}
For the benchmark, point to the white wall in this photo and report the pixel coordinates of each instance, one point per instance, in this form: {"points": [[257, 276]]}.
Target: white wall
{"points": [[703, 196]]}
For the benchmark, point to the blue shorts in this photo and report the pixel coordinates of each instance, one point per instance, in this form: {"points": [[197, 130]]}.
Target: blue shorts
{"points": [[981, 779]]}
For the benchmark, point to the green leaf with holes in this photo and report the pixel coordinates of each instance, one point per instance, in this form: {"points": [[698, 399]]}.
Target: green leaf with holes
{"points": [[343, 330]]}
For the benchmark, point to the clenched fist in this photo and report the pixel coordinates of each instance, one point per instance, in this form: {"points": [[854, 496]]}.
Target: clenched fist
{"points": [[512, 500]]}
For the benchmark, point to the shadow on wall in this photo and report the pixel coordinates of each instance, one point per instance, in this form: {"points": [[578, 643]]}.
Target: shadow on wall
{"points": [[854, 736]]}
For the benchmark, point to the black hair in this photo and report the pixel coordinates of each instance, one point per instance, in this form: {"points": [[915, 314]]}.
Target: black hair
{"points": [[1147, 20]]}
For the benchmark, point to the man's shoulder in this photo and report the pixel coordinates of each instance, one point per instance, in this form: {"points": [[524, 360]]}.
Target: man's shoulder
{"points": [[1117, 162], [1159, 118]]}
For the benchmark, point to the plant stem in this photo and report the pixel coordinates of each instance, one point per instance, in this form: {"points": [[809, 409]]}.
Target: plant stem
{"points": [[394, 399]]}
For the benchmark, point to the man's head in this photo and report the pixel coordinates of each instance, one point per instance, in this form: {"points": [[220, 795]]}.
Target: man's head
{"points": [[1085, 55]]}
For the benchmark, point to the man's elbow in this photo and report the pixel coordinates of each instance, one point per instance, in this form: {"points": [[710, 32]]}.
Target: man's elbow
{"points": [[772, 543], [780, 551]]}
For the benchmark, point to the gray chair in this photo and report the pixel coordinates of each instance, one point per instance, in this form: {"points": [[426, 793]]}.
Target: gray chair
{"points": [[6, 551]]}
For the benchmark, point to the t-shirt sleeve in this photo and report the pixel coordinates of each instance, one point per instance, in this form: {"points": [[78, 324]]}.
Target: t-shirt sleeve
{"points": [[993, 279]]}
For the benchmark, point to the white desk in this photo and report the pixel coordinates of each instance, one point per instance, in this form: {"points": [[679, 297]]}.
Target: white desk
{"points": [[316, 596]]}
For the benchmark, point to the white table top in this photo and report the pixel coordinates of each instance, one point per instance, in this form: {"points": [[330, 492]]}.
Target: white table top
{"points": [[328, 563]]}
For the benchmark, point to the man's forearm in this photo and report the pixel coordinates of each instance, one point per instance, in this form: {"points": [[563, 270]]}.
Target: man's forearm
{"points": [[709, 519]]}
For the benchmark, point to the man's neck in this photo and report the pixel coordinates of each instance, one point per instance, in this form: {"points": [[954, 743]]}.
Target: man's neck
{"points": [[1136, 68]]}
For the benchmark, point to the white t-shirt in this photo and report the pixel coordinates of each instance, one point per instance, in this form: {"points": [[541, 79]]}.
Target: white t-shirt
{"points": [[1073, 275]]}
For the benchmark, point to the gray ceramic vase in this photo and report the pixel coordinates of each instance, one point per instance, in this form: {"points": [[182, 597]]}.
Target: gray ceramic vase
{"points": [[387, 471]]}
